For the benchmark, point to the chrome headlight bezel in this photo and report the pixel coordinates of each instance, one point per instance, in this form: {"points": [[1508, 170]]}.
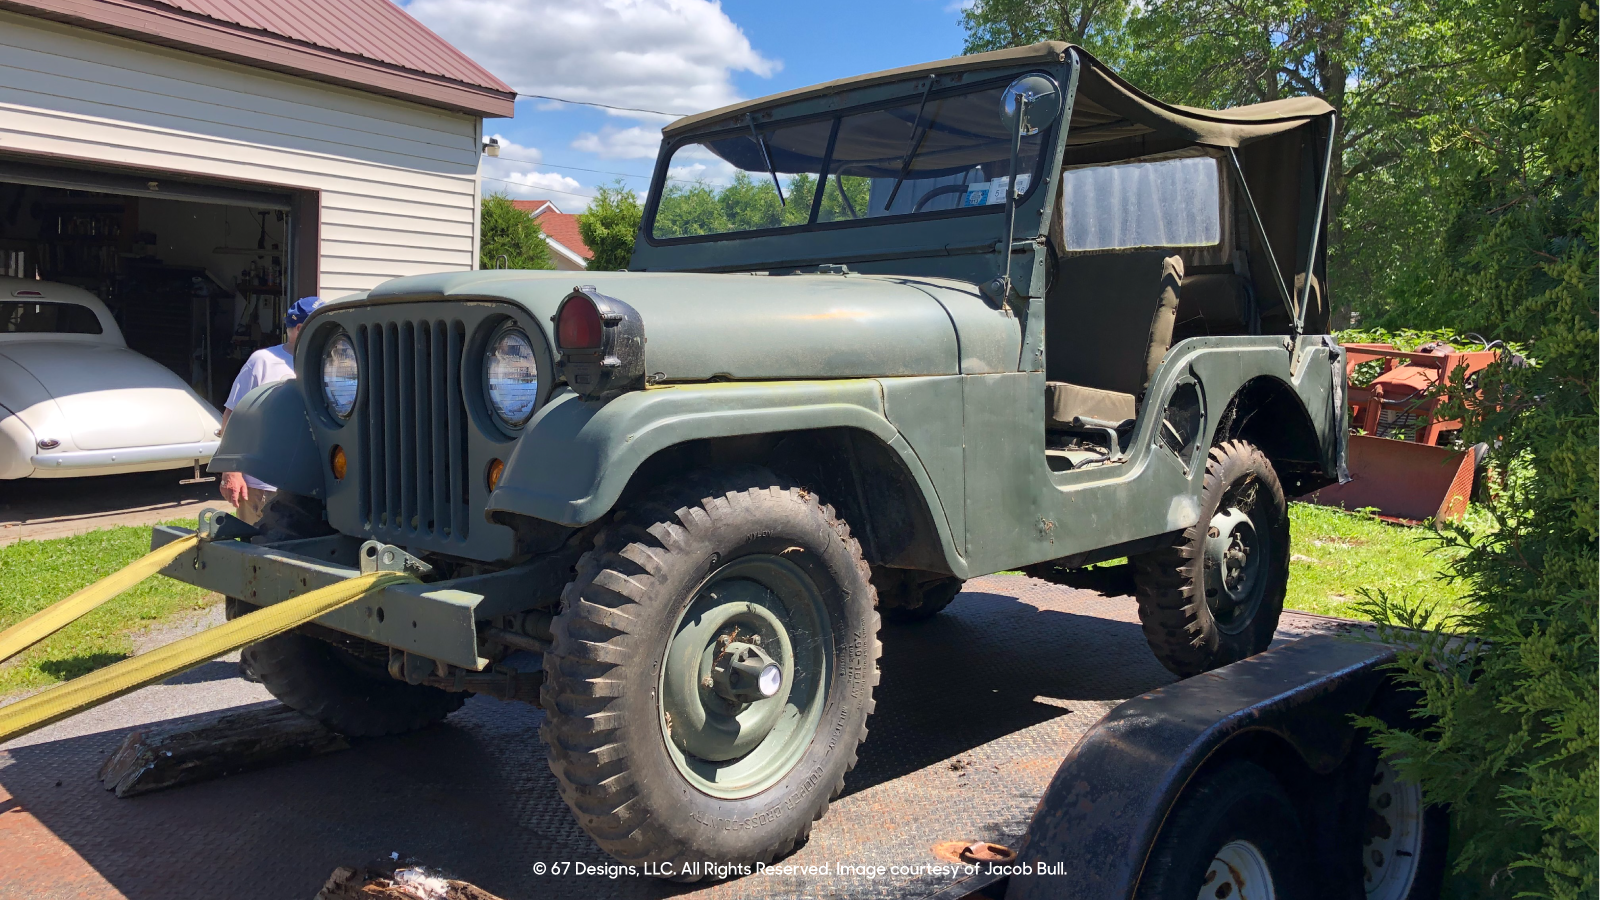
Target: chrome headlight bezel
{"points": [[511, 417], [338, 405]]}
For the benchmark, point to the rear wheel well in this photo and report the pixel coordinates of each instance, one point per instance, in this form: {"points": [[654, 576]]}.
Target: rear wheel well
{"points": [[862, 477], [1267, 413]]}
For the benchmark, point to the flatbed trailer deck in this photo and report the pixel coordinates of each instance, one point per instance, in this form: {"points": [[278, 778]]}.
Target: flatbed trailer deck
{"points": [[986, 702]]}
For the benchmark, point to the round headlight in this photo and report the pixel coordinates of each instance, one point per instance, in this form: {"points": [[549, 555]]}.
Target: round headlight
{"points": [[340, 376], [511, 375]]}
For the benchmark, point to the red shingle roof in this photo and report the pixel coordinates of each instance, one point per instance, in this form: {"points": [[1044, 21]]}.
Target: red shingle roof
{"points": [[370, 45], [558, 226]]}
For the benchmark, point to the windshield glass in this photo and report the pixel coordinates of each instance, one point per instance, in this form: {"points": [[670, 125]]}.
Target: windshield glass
{"points": [[46, 317], [950, 154]]}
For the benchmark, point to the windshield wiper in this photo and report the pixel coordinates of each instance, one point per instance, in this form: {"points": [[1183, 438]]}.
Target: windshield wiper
{"points": [[767, 158], [918, 135]]}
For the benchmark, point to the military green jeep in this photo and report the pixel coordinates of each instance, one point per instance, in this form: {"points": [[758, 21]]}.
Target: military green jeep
{"points": [[879, 336]]}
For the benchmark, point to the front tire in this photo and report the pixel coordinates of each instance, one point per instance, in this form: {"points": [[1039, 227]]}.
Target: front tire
{"points": [[340, 688], [1214, 596], [1233, 835], [663, 736]]}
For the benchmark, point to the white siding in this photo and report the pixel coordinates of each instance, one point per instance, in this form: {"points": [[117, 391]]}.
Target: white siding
{"points": [[398, 181]]}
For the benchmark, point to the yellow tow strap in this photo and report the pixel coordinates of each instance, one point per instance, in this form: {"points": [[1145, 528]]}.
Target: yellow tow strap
{"points": [[55, 617], [131, 674]]}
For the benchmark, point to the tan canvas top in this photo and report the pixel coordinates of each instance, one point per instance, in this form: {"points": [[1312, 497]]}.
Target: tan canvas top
{"points": [[1107, 107]]}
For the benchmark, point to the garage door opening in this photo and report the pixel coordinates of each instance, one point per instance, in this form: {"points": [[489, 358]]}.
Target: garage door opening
{"points": [[197, 277]]}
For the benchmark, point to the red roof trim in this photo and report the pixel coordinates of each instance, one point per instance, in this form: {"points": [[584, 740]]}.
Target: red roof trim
{"points": [[164, 25]]}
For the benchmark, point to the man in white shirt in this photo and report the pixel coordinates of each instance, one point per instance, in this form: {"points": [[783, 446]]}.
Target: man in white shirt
{"points": [[268, 365]]}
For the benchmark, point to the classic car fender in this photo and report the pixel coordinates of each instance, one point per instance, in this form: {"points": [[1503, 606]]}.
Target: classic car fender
{"points": [[269, 437], [575, 458]]}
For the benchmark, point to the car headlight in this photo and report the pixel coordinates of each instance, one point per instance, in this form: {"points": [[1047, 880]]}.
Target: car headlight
{"points": [[511, 375], [341, 375]]}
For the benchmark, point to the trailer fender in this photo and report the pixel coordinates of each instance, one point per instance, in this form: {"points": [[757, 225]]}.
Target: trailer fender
{"points": [[269, 437], [1103, 811]]}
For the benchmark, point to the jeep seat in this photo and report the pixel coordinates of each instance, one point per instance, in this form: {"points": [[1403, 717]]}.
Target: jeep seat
{"points": [[1108, 324]]}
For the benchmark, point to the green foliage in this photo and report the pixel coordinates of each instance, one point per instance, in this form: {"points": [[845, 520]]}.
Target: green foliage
{"points": [[35, 574], [696, 207], [1515, 747], [507, 231], [1336, 555], [610, 226]]}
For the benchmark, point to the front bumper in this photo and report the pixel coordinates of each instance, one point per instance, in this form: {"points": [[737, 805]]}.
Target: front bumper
{"points": [[437, 621], [126, 459]]}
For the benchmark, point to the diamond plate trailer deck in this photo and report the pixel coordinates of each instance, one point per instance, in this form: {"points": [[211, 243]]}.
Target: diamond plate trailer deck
{"points": [[947, 758]]}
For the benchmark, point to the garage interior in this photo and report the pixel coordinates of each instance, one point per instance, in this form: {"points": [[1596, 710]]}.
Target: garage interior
{"points": [[198, 276]]}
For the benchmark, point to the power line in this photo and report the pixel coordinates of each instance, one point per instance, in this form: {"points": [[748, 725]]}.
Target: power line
{"points": [[551, 165], [656, 112], [534, 187]]}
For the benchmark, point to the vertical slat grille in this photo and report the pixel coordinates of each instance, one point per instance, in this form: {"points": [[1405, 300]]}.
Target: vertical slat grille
{"points": [[414, 482]]}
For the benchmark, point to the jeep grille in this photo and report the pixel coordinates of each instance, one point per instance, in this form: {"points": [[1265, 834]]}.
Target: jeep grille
{"points": [[414, 473]]}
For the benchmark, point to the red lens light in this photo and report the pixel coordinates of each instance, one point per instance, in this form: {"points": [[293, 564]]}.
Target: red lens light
{"points": [[578, 327]]}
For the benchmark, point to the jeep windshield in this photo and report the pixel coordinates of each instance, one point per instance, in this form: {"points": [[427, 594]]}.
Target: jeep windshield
{"points": [[944, 154]]}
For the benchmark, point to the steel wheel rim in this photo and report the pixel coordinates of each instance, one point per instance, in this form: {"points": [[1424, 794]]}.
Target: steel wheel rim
{"points": [[1235, 568], [1392, 843], [727, 749], [1238, 871]]}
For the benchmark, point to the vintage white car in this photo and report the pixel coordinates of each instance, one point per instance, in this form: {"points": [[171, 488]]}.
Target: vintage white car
{"points": [[74, 400]]}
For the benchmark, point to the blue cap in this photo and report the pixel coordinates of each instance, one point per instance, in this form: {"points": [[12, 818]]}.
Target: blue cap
{"points": [[300, 311]]}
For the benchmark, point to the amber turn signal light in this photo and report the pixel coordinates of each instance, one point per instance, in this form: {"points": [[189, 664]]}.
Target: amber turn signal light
{"points": [[496, 469], [336, 462]]}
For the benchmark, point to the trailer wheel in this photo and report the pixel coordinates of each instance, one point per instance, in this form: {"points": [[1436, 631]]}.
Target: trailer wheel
{"points": [[1214, 596], [1232, 836], [346, 692], [711, 674]]}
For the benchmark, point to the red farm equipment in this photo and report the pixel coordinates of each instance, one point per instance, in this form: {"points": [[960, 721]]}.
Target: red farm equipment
{"points": [[1404, 461]]}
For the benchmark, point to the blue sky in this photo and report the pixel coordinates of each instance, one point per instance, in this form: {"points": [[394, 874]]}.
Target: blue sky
{"points": [[675, 55]]}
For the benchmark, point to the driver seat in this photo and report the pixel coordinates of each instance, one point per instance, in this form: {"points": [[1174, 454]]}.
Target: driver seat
{"points": [[1108, 324]]}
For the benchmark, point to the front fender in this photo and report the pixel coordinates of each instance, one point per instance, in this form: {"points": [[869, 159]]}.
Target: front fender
{"points": [[576, 457], [269, 437]]}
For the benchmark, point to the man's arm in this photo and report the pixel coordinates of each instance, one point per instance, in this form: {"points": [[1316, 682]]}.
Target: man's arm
{"points": [[234, 490]]}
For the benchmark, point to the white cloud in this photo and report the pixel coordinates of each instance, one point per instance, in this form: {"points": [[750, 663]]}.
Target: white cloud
{"points": [[515, 173], [671, 55], [638, 142]]}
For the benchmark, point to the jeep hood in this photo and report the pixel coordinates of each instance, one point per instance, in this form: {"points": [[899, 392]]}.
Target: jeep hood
{"points": [[700, 327]]}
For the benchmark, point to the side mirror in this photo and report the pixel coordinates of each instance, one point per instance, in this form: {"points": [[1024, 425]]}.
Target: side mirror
{"points": [[1042, 103]]}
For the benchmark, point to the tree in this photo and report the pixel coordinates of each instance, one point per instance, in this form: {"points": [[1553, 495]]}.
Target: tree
{"points": [[610, 226], [505, 231], [1385, 68]]}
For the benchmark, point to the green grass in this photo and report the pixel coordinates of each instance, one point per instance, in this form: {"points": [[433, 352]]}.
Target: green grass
{"points": [[35, 574], [1337, 554]]}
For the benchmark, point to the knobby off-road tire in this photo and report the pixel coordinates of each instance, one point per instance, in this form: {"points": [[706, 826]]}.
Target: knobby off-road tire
{"points": [[640, 637], [1214, 596], [350, 694], [1234, 829]]}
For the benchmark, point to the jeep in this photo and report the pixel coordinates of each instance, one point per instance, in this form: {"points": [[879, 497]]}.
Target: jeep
{"points": [[878, 336]]}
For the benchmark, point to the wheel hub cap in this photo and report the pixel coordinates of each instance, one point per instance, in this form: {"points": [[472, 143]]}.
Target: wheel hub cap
{"points": [[742, 681], [1233, 567], [1393, 835], [1238, 871]]}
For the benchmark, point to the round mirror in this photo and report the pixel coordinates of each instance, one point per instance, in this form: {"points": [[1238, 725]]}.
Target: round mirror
{"points": [[1042, 104]]}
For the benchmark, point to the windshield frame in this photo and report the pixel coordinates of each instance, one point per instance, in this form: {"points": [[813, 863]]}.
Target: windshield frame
{"points": [[664, 158]]}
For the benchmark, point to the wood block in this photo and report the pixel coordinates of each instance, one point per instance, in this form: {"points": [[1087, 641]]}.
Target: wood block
{"points": [[162, 756]]}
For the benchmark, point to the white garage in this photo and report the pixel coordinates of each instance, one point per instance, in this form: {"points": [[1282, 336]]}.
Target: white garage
{"points": [[197, 164]]}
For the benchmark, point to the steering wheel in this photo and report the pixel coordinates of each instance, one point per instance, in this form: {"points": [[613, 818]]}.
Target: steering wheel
{"points": [[939, 191]]}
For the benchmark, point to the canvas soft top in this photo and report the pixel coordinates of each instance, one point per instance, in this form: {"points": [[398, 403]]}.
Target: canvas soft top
{"points": [[1107, 107]]}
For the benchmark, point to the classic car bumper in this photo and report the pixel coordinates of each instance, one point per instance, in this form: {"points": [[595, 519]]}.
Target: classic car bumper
{"points": [[438, 620], [74, 462]]}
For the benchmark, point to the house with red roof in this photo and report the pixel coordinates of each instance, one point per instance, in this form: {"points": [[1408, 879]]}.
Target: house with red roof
{"points": [[567, 249]]}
